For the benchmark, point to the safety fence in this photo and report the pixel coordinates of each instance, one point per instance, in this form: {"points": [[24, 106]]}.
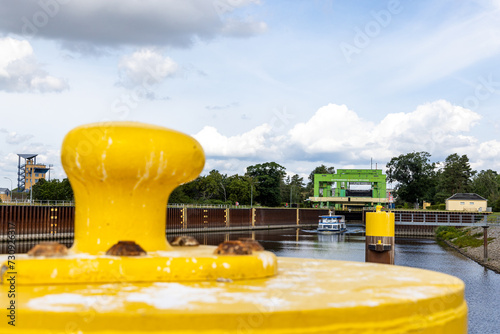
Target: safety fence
{"points": [[452, 217], [28, 202]]}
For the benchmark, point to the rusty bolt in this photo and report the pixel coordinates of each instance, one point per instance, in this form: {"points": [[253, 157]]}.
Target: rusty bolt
{"points": [[126, 248], [48, 249], [184, 240], [233, 247]]}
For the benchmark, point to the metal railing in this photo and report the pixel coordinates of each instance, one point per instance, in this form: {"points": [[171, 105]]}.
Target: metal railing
{"points": [[209, 206], [450, 218], [38, 203]]}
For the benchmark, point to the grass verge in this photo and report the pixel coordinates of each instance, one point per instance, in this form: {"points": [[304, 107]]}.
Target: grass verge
{"points": [[460, 237]]}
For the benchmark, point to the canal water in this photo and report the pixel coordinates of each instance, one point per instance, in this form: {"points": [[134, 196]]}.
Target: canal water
{"points": [[482, 286]]}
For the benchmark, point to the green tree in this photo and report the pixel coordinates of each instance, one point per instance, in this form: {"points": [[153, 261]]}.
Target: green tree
{"points": [[269, 176], [213, 186], [238, 189], [414, 176], [318, 170], [293, 190], [486, 183], [456, 175], [495, 205], [208, 189], [254, 192], [179, 196], [53, 190]]}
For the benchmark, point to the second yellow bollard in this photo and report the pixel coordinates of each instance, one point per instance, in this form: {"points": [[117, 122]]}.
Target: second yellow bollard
{"points": [[379, 244]]}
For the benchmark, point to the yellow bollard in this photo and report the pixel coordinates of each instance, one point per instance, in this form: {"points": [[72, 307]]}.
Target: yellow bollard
{"points": [[115, 170], [379, 242], [121, 178]]}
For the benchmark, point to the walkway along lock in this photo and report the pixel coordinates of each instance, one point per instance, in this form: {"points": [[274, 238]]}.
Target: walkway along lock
{"points": [[379, 244], [123, 276]]}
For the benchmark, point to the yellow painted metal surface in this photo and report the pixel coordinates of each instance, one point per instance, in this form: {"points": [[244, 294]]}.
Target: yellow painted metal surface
{"points": [[188, 264], [122, 174], [380, 223], [307, 296]]}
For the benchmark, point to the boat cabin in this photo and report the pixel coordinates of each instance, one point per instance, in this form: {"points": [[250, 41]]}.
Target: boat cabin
{"points": [[332, 224]]}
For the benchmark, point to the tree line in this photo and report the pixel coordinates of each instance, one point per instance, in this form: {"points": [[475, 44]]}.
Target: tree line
{"points": [[417, 179], [414, 176], [265, 184]]}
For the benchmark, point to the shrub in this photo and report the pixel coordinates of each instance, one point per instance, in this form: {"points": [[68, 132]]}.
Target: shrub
{"points": [[448, 233], [460, 237], [467, 241]]}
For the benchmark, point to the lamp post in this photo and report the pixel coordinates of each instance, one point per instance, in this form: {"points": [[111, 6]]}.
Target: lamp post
{"points": [[5, 177], [251, 195]]}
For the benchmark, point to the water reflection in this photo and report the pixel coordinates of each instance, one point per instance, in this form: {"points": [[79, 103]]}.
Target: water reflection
{"points": [[481, 285]]}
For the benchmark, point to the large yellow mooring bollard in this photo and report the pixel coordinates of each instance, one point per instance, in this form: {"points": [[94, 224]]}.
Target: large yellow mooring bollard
{"points": [[122, 174], [379, 242]]}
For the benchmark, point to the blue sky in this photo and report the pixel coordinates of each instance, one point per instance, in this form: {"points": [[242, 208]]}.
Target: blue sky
{"points": [[302, 83]]}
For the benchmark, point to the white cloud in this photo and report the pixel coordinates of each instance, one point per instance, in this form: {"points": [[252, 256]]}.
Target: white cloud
{"points": [[338, 136], [229, 166], [237, 28], [256, 142], [485, 155], [145, 67], [333, 128], [14, 137], [489, 149], [127, 22], [433, 127], [20, 71]]}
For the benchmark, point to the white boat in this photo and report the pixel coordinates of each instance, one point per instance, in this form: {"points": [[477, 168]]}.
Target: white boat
{"points": [[332, 223]]}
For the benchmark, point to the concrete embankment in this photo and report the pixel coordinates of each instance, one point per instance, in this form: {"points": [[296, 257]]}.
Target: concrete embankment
{"points": [[477, 253]]}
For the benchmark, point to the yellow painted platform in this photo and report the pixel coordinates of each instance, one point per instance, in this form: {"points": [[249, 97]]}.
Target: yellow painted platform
{"points": [[307, 296], [179, 265]]}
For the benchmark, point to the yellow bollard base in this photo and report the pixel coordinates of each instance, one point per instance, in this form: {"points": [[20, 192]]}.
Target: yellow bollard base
{"points": [[186, 264], [306, 296]]}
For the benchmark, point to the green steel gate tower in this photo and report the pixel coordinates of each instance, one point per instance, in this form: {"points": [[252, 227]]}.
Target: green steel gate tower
{"points": [[334, 190]]}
